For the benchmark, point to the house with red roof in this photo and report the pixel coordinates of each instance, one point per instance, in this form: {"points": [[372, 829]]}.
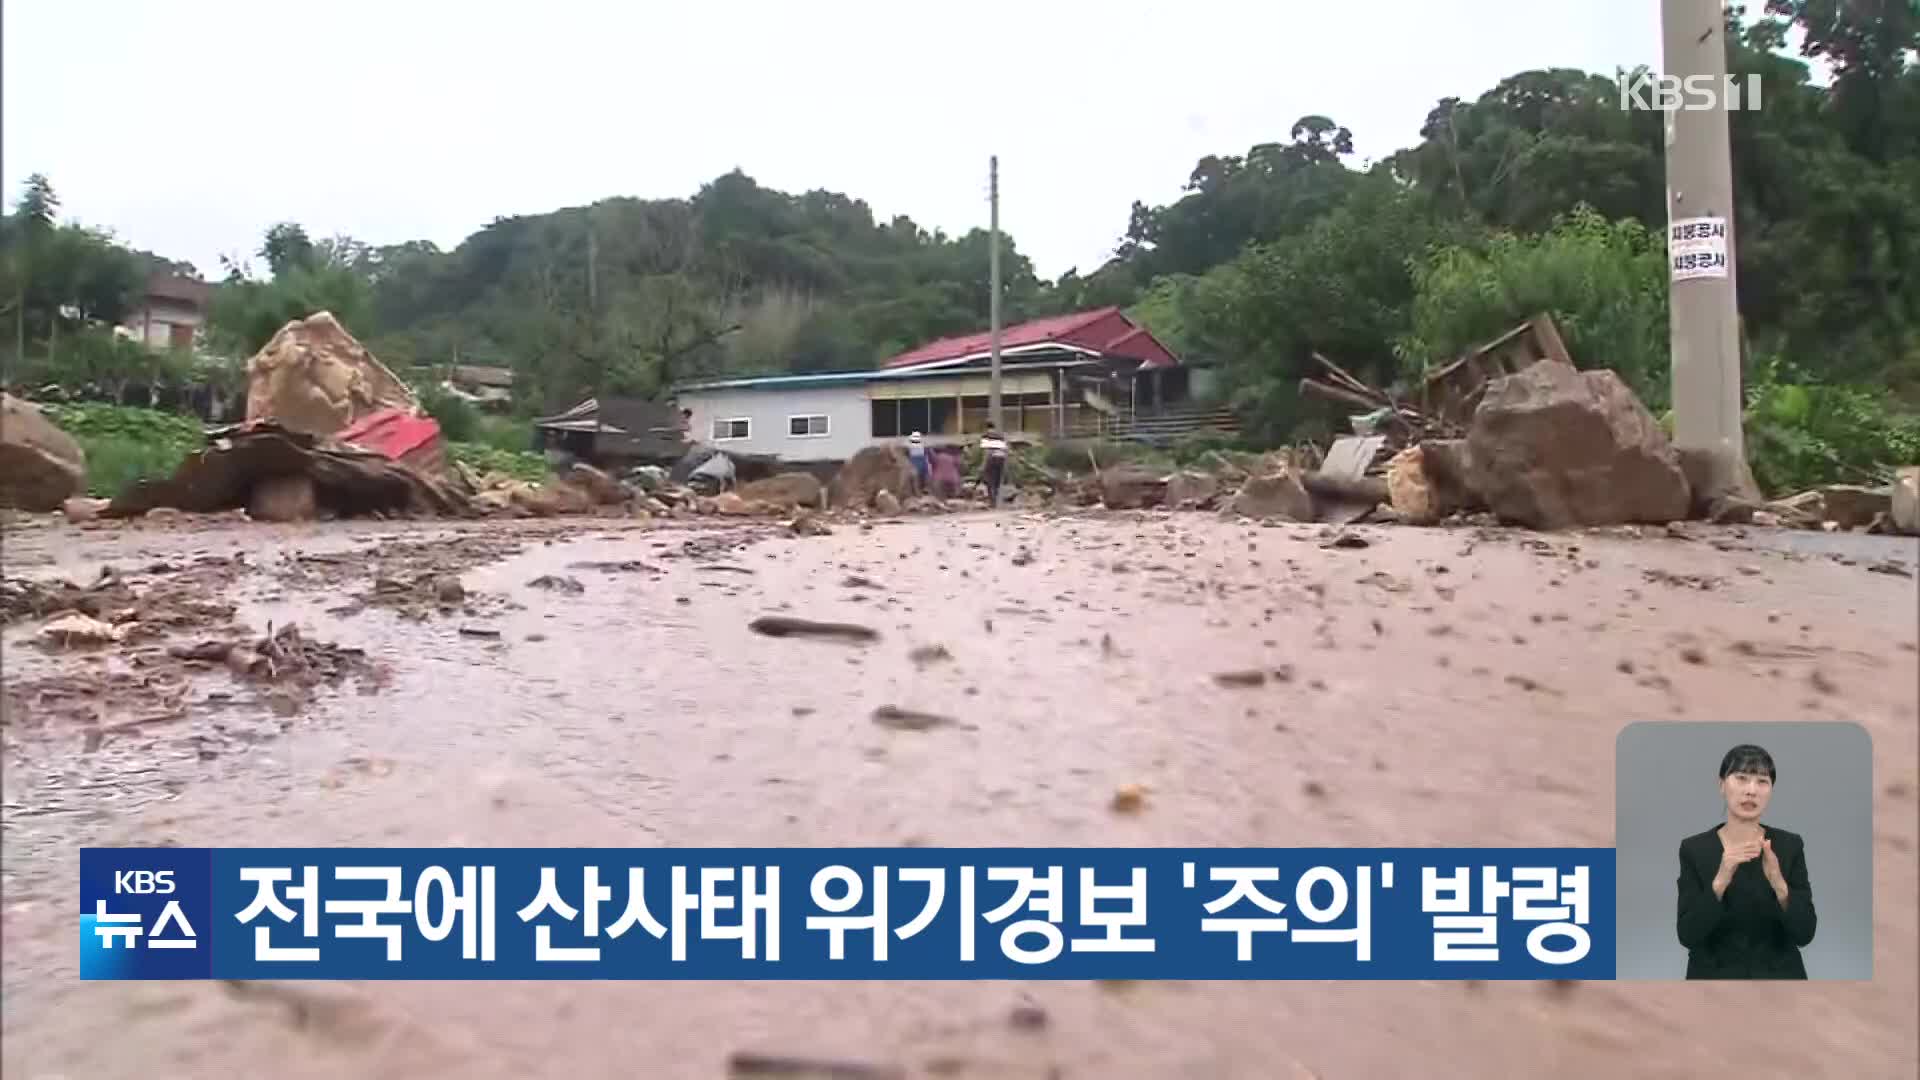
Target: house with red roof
{"points": [[1061, 376]]}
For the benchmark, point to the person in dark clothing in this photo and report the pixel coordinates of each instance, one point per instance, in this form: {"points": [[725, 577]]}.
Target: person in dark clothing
{"points": [[1746, 906], [993, 465]]}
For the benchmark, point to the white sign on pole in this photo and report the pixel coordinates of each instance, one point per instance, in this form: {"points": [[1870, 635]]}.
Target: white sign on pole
{"points": [[1697, 248]]}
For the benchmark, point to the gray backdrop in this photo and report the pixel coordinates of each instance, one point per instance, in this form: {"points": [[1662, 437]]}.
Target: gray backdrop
{"points": [[1665, 790]]}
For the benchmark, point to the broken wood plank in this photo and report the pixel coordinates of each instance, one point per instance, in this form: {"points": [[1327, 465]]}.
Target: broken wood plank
{"points": [[1337, 393]]}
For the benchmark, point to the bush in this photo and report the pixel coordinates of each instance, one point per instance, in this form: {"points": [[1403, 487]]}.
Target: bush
{"points": [[459, 421], [1604, 283], [125, 444], [505, 433], [1193, 446], [483, 459], [1803, 434]]}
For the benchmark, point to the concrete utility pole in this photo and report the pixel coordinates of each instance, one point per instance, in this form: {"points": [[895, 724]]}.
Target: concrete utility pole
{"points": [[593, 328], [993, 284], [1705, 318]]}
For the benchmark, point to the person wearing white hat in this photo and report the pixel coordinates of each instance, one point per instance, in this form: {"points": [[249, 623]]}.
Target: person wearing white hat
{"points": [[917, 455]]}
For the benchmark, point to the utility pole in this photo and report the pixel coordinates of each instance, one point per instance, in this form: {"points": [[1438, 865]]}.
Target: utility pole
{"points": [[993, 284], [1702, 293], [593, 329]]}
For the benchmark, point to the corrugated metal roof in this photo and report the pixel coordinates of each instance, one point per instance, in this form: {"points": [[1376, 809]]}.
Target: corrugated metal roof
{"points": [[837, 378], [1106, 330]]}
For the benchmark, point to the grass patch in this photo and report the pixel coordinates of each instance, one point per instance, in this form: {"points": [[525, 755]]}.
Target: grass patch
{"points": [[483, 459], [125, 444]]}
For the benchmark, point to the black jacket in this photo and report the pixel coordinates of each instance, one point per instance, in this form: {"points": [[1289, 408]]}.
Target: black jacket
{"points": [[1745, 934]]}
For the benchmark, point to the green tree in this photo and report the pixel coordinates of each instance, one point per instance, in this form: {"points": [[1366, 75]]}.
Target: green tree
{"points": [[287, 249], [1603, 282]]}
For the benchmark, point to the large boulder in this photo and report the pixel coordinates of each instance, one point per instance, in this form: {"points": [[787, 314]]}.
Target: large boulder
{"points": [[869, 472], [551, 500], [601, 488], [1132, 487], [41, 467], [313, 377], [1905, 502], [283, 498], [1428, 481], [1196, 490], [784, 490], [1554, 447], [1276, 494]]}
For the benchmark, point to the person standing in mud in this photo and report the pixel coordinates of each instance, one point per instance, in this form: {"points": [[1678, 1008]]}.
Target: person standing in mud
{"points": [[917, 456], [993, 465]]}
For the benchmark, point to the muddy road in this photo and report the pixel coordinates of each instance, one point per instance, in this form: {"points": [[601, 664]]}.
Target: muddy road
{"points": [[1453, 687]]}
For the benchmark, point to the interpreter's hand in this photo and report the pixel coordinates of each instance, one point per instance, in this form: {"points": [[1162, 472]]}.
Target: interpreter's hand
{"points": [[1740, 851], [1770, 865]]}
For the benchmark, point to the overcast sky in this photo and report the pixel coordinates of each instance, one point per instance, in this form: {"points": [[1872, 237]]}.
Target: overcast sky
{"points": [[189, 127]]}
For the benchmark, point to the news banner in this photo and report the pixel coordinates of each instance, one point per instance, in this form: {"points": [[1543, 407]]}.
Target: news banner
{"points": [[847, 913]]}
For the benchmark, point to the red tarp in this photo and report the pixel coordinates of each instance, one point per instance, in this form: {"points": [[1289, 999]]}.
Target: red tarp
{"points": [[397, 434]]}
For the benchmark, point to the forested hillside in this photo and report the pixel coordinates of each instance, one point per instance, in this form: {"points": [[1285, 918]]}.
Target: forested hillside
{"points": [[1539, 194]]}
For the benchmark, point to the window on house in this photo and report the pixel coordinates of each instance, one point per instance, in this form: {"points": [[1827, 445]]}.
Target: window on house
{"points": [[801, 427], [723, 430]]}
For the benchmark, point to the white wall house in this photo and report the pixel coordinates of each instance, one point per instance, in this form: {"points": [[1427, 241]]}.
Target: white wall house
{"points": [[1058, 375], [170, 312], [799, 418]]}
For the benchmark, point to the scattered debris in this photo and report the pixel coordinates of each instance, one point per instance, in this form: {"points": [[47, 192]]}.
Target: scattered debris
{"points": [[1702, 582], [622, 566], [899, 719], [929, 654], [1131, 798], [1241, 679], [806, 524], [1027, 1016], [745, 1064], [479, 632], [1346, 540], [74, 628], [787, 626], [346, 480], [79, 510], [555, 583]]}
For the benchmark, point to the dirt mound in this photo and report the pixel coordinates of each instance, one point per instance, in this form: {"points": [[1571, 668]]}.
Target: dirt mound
{"points": [[869, 472], [786, 489], [1132, 487], [40, 465], [313, 377]]}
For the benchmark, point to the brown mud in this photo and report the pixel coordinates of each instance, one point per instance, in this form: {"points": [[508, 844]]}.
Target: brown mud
{"points": [[1033, 679]]}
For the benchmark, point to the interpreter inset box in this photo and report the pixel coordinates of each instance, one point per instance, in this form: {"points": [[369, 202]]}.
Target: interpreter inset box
{"points": [[1744, 850]]}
